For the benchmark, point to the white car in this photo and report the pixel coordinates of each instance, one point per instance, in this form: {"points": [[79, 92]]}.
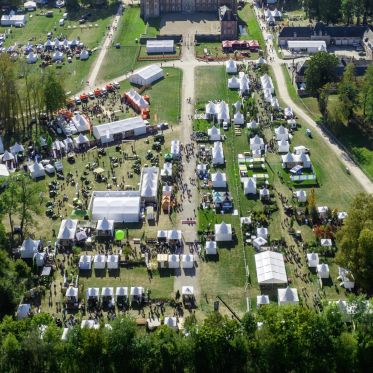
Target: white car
{"points": [[225, 126], [104, 91], [77, 100], [116, 85], [91, 95]]}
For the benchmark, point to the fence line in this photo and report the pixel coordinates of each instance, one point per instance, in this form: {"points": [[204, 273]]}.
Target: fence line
{"points": [[178, 99]]}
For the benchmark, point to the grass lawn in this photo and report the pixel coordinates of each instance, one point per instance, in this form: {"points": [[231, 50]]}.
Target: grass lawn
{"points": [[216, 48], [247, 15], [210, 84], [132, 26]]}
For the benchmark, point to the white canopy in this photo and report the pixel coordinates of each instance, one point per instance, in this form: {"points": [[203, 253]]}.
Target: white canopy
{"points": [[32, 57], [72, 294], [281, 133], [259, 242], [256, 143], [187, 290], [252, 124], [100, 261], [112, 261], [262, 299], [283, 146], [223, 232], [81, 139], [323, 270], [162, 234], [270, 268], [231, 66], [210, 248], [121, 292], [174, 235], [107, 292], [262, 232], [301, 195], [188, 261], [105, 225], [214, 134], [58, 56], [36, 170], [173, 261], [219, 180], [287, 158], [239, 118], [80, 122], [85, 262], [29, 248], [288, 295], [313, 260], [260, 60], [342, 215], [218, 153], [84, 55], [68, 229], [119, 209], [146, 75], [93, 292], [16, 148], [249, 186]]}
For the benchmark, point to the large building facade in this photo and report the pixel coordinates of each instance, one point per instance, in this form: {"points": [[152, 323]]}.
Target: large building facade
{"points": [[155, 8]]}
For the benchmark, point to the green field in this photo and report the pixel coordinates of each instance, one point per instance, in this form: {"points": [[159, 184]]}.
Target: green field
{"points": [[247, 15], [225, 274], [132, 26]]}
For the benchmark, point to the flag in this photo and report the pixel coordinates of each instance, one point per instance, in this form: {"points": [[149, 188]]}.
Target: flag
{"points": [[74, 72], [155, 117]]}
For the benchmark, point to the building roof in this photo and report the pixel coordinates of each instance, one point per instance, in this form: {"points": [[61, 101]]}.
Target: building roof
{"points": [[224, 14], [120, 126], [270, 268], [187, 290], [105, 225], [288, 295], [149, 71]]}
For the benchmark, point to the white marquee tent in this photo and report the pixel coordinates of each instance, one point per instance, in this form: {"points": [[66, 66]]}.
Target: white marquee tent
{"points": [[283, 146], [160, 46], [147, 75], [323, 270], [80, 122], [281, 133], [238, 118], [136, 293], [23, 311], [259, 242], [303, 159], [36, 170], [233, 83], [231, 66], [93, 293], [32, 57], [119, 209], [343, 275], [214, 133], [264, 193], [262, 232], [105, 227], [252, 124], [261, 300], [171, 322], [99, 261], [245, 220], [218, 153], [249, 186], [313, 260], [58, 56], [13, 19], [188, 261], [270, 268], [84, 55], [29, 248], [219, 180], [17, 148], [256, 143], [173, 261], [85, 262], [301, 195], [112, 261], [223, 232], [72, 294], [121, 292], [210, 248], [288, 295], [81, 140]]}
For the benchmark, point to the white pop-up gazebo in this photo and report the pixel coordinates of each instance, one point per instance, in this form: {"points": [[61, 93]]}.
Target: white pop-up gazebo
{"points": [[72, 295], [231, 66], [270, 268], [29, 248], [81, 141], [210, 248], [323, 270], [283, 146], [174, 235], [303, 160], [171, 322], [252, 124], [219, 180], [262, 232], [93, 293], [99, 261], [23, 311], [187, 292], [188, 261], [326, 242], [313, 260], [238, 118], [344, 275], [259, 242], [233, 82], [112, 261], [40, 259], [264, 194], [218, 153], [105, 227], [223, 232], [107, 292], [17, 148], [256, 143], [281, 133], [122, 293], [58, 56], [137, 293], [85, 262], [288, 295], [249, 186], [173, 261], [80, 122], [301, 195], [261, 300], [260, 61], [36, 170], [214, 134], [84, 55], [32, 57]]}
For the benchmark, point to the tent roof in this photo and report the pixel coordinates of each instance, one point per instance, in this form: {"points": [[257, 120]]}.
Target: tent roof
{"points": [[301, 193], [170, 321], [214, 131], [107, 291], [187, 290], [174, 258], [174, 234], [218, 176], [30, 245], [72, 292], [112, 258], [264, 191], [256, 140], [93, 292], [312, 256], [100, 258], [105, 225], [288, 158], [326, 242], [288, 295], [250, 183], [210, 244], [237, 105], [85, 259], [281, 130], [238, 115], [137, 290], [322, 268], [36, 167], [162, 233], [121, 290], [187, 258], [223, 228], [149, 71], [270, 267], [283, 142], [262, 299], [253, 124]]}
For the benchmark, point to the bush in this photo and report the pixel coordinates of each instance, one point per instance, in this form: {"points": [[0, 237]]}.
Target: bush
{"points": [[22, 268]]}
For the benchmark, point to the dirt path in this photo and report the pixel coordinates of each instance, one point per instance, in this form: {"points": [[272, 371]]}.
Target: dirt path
{"points": [[107, 43], [283, 94], [188, 277]]}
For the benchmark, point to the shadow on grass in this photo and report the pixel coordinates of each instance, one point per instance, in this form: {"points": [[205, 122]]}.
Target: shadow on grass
{"points": [[85, 273], [212, 258], [100, 273], [166, 272]]}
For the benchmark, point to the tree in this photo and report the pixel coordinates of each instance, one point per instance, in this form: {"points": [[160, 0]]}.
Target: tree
{"points": [[249, 324], [54, 93], [306, 211], [21, 268], [9, 201], [320, 71], [312, 199], [348, 91], [348, 10], [324, 93], [314, 214], [317, 232], [328, 230], [356, 240]]}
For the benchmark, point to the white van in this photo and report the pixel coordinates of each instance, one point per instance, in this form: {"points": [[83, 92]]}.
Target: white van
{"points": [[65, 15], [62, 22], [116, 85]]}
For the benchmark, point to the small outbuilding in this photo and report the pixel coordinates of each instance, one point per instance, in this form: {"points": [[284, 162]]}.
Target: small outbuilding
{"points": [[301, 195], [223, 232]]}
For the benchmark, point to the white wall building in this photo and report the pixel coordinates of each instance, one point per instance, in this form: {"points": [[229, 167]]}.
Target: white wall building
{"points": [[147, 75], [270, 268]]}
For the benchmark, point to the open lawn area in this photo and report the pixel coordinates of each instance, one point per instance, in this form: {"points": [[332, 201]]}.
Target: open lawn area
{"points": [[334, 188], [216, 51], [132, 26], [247, 15]]}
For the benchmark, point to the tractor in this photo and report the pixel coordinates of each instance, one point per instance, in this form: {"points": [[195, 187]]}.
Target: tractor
{"points": [[156, 145], [159, 137]]}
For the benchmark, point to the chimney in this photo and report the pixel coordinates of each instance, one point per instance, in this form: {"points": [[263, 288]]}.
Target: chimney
{"points": [[229, 14], [320, 33], [326, 33], [295, 34]]}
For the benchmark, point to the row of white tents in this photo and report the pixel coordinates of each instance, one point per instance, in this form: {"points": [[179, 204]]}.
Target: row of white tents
{"points": [[242, 83], [99, 261]]}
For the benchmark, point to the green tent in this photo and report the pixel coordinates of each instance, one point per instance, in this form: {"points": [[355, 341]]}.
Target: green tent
{"points": [[168, 157]]}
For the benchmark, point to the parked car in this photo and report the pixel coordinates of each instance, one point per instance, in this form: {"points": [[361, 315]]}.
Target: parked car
{"points": [[116, 85], [91, 95], [69, 59], [77, 100], [225, 126], [362, 53]]}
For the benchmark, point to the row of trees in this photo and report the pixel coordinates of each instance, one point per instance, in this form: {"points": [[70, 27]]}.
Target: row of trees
{"points": [[290, 339], [39, 91], [339, 10]]}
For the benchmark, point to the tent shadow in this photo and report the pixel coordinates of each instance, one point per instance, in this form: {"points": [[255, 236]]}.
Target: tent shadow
{"points": [[212, 258], [85, 273], [166, 272], [100, 273], [115, 272], [191, 272]]}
